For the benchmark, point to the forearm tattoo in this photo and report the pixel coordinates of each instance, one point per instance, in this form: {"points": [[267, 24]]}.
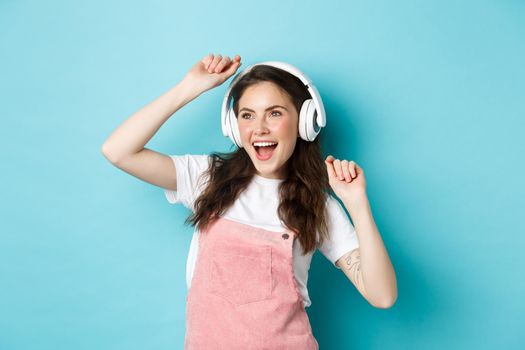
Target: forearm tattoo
{"points": [[353, 265]]}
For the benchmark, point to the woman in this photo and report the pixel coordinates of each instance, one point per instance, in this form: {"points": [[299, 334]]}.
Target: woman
{"points": [[260, 211]]}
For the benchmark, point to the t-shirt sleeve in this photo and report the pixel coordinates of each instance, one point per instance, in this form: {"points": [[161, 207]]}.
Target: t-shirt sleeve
{"points": [[190, 183], [342, 235]]}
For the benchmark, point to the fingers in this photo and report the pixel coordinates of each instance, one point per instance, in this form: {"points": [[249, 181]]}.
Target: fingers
{"points": [[207, 60], [217, 63], [221, 64], [346, 172], [343, 170], [213, 63], [329, 167], [236, 63], [338, 169]]}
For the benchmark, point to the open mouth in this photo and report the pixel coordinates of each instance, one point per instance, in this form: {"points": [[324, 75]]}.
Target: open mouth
{"points": [[265, 152]]}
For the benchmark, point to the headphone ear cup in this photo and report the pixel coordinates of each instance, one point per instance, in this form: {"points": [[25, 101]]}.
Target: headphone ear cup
{"points": [[302, 121], [235, 135], [308, 128]]}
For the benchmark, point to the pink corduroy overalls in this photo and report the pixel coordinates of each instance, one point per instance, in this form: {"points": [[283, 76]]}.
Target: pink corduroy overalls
{"points": [[243, 293]]}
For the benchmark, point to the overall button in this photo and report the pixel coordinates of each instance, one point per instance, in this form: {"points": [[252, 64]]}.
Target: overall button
{"points": [[285, 236]]}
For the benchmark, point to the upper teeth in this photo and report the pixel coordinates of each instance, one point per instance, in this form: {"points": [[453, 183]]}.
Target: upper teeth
{"points": [[263, 144]]}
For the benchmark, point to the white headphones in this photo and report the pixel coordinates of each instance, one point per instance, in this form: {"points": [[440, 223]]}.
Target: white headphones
{"points": [[312, 116]]}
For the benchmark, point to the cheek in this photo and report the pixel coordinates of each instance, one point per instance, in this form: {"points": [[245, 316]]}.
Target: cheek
{"points": [[285, 127], [243, 131]]}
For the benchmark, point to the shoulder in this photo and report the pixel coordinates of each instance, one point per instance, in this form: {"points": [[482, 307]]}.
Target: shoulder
{"points": [[338, 220], [341, 237], [193, 161], [191, 168], [198, 158], [333, 207]]}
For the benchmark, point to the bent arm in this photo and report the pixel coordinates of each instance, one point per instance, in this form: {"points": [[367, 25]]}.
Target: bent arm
{"points": [[125, 147], [135, 132]]}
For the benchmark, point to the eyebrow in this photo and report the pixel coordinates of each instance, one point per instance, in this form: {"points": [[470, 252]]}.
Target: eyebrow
{"points": [[267, 109]]}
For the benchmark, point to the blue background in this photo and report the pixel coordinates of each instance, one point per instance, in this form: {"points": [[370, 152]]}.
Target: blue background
{"points": [[428, 97]]}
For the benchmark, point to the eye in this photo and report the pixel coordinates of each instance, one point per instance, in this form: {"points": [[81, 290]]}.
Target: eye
{"points": [[243, 115]]}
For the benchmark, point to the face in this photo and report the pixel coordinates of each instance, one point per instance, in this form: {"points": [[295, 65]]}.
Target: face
{"points": [[266, 113]]}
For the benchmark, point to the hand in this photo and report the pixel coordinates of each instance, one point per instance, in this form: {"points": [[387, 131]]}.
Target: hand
{"points": [[211, 71], [347, 179]]}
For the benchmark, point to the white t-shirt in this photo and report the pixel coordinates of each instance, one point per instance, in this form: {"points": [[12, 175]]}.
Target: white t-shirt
{"points": [[257, 206]]}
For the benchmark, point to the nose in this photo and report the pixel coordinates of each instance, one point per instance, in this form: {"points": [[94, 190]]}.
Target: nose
{"points": [[260, 127]]}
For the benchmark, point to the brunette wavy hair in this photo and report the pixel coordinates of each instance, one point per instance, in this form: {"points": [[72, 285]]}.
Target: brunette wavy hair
{"points": [[303, 193]]}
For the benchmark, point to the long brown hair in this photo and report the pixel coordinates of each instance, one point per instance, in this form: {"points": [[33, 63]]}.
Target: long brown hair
{"points": [[303, 194]]}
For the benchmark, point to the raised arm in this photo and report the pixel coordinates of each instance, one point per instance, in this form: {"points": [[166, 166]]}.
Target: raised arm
{"points": [[369, 267], [125, 147]]}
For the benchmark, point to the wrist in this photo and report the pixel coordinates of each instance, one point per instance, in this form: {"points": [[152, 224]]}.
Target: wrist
{"points": [[357, 201], [189, 89]]}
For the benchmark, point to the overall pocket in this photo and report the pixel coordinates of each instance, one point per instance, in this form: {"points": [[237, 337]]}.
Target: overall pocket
{"points": [[241, 273]]}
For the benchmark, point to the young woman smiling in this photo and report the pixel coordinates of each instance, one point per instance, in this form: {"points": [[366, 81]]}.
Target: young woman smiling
{"points": [[259, 212]]}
